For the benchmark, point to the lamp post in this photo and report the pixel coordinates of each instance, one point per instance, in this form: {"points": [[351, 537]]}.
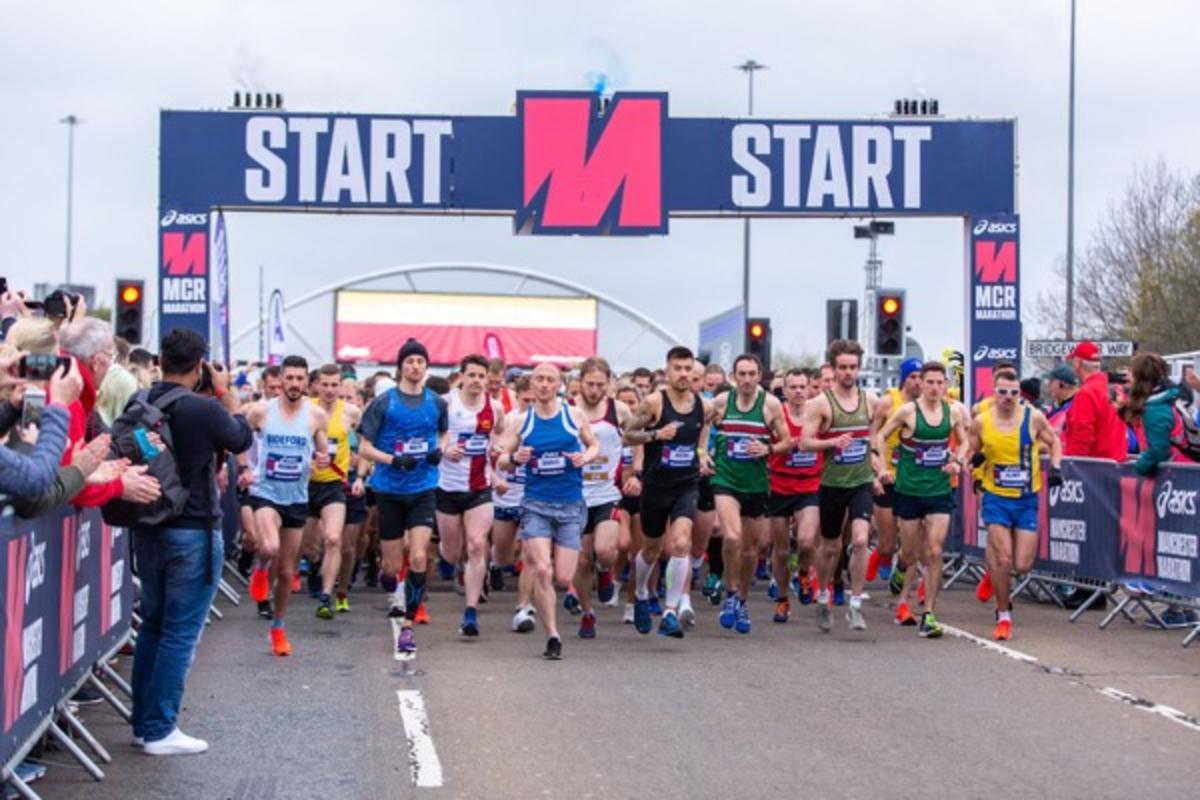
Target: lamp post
{"points": [[70, 121], [750, 66], [1071, 187]]}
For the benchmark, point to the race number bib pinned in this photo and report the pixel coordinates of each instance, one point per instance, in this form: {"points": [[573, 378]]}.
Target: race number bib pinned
{"points": [[284, 468], [474, 445], [679, 456], [333, 447], [800, 459], [412, 447], [930, 455], [549, 463], [856, 453], [737, 448], [1010, 476]]}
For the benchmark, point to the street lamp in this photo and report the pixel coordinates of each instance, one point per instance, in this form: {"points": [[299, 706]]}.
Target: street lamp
{"points": [[874, 273], [70, 121], [750, 66]]}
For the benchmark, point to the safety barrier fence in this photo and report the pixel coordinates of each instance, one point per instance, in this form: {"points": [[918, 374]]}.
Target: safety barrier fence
{"points": [[1106, 531]]}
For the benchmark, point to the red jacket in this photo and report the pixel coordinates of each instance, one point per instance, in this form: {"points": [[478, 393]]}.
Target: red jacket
{"points": [[1092, 427], [97, 494]]}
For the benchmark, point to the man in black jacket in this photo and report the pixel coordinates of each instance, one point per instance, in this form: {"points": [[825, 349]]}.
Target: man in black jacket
{"points": [[179, 562]]}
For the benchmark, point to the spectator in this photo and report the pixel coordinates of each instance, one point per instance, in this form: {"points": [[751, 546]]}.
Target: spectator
{"points": [[1093, 428], [179, 562], [12, 309], [33, 335], [118, 385], [1031, 392], [1063, 384]]}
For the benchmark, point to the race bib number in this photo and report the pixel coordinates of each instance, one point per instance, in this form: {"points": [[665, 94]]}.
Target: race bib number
{"points": [[626, 456], [679, 456], [412, 447], [738, 448], [930, 455], [284, 468], [332, 448], [474, 445], [1010, 476], [549, 464], [800, 459], [518, 475], [856, 453], [597, 471]]}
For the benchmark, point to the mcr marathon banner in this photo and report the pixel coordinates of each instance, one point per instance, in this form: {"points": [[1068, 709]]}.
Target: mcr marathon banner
{"points": [[993, 297], [68, 593], [1160, 528], [565, 163]]}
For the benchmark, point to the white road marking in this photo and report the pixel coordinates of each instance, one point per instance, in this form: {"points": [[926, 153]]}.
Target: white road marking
{"points": [[1173, 714], [424, 764], [987, 644]]}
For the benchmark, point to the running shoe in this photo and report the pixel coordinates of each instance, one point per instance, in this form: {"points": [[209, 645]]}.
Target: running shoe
{"points": [[718, 593], [921, 591], [587, 626], [839, 594], [1002, 631], [896, 584], [687, 615], [470, 623], [264, 609], [523, 621], [873, 565], [660, 591], [396, 607], [342, 605], [630, 614], [496, 577], [885, 570], [641, 616], [280, 645], [625, 573], [930, 629], [695, 575], [460, 586], [669, 626], [553, 650], [422, 617], [854, 619], [325, 607], [260, 585], [710, 584], [742, 625], [314, 583], [445, 568], [904, 615], [571, 602], [615, 600], [729, 612], [773, 590], [605, 589], [655, 607], [805, 592], [761, 573], [295, 584], [783, 610], [794, 584], [406, 642], [304, 567], [983, 592], [824, 617]]}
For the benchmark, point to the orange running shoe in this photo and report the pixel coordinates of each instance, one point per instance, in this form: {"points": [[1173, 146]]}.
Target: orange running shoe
{"points": [[873, 565], [295, 584], [921, 592], [983, 592], [1003, 631], [260, 585], [904, 615], [279, 642], [422, 617]]}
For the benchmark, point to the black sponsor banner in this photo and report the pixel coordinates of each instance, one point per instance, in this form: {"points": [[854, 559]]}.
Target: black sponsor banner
{"points": [[1160, 529], [1077, 531]]}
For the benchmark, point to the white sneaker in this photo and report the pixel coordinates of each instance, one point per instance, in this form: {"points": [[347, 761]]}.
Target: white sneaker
{"points": [[687, 615], [177, 743], [615, 600], [628, 617], [523, 621]]}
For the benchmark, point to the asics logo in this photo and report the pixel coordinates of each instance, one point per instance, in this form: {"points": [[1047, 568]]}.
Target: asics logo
{"points": [[1069, 492], [1174, 501], [995, 353], [984, 226], [173, 217]]}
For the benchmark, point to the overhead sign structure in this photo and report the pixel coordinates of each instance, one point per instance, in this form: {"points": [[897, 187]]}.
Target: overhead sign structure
{"points": [[565, 164], [721, 337], [1059, 348]]}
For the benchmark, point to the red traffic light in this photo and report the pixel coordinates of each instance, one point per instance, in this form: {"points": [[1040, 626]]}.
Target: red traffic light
{"points": [[131, 294], [757, 330], [890, 305]]}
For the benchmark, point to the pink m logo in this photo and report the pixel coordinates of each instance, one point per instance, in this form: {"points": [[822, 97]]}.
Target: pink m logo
{"points": [[584, 175], [996, 262], [185, 253]]}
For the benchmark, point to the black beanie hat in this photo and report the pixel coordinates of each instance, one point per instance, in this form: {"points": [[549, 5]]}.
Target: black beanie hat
{"points": [[411, 348]]}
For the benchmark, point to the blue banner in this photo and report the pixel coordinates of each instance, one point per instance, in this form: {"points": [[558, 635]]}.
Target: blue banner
{"points": [[219, 340], [1077, 536], [994, 298], [1160, 528]]}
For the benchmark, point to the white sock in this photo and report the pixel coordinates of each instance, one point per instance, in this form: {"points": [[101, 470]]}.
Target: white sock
{"points": [[697, 561], [398, 595], [856, 601], [643, 577], [685, 603], [823, 597], [677, 575], [1005, 616]]}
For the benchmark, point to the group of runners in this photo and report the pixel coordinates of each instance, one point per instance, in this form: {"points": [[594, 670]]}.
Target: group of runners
{"points": [[649, 485]]}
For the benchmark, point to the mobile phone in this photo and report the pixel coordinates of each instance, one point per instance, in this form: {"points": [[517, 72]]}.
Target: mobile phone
{"points": [[149, 451], [205, 386], [3, 285], [32, 405], [40, 366]]}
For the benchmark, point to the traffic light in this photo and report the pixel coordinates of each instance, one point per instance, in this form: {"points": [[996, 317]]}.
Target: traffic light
{"points": [[758, 339], [130, 310], [889, 322]]}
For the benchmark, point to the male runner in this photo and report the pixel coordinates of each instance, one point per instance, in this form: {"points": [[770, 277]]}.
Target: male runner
{"points": [[795, 479], [290, 428], [839, 420], [601, 492], [670, 423], [405, 431], [357, 512], [327, 486], [1008, 437], [924, 496], [271, 384], [642, 379], [464, 494], [750, 427], [554, 442], [909, 390], [629, 515], [495, 385], [507, 494]]}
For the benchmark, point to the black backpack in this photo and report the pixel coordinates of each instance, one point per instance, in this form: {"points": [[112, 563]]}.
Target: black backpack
{"points": [[154, 417]]}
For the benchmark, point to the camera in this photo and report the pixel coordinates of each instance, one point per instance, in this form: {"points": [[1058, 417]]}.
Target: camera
{"points": [[40, 366], [55, 304]]}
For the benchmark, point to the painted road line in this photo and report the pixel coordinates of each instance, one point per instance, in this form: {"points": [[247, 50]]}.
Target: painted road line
{"points": [[424, 764], [989, 645], [1173, 714]]}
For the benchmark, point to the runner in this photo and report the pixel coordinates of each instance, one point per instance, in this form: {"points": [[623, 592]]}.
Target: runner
{"points": [[554, 442], [924, 496], [750, 427], [271, 384], [404, 432], [1007, 438], [357, 512], [795, 479], [464, 494], [601, 490], [290, 427], [327, 486], [629, 514], [840, 420], [880, 560], [495, 385], [507, 494], [670, 424]]}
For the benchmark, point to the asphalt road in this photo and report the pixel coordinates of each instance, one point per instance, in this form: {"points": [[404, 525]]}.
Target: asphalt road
{"points": [[783, 711]]}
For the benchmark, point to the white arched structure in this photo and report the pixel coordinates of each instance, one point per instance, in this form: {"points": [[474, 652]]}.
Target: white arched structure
{"points": [[524, 275]]}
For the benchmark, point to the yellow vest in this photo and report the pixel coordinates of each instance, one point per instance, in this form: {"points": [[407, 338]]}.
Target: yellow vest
{"points": [[1012, 467], [339, 447], [891, 447]]}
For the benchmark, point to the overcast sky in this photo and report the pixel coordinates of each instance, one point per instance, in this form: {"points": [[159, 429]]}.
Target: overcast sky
{"points": [[117, 64]]}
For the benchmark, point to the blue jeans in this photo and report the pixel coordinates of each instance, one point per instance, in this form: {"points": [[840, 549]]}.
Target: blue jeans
{"points": [[177, 590]]}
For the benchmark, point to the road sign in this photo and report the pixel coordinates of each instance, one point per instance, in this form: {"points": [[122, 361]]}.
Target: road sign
{"points": [[1059, 348]]}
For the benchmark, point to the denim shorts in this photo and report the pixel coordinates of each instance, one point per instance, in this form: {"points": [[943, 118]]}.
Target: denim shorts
{"points": [[562, 523]]}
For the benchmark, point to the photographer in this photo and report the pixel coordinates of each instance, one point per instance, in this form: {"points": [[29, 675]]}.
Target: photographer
{"points": [[179, 561]]}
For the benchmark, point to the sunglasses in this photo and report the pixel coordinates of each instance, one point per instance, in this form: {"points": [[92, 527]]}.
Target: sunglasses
{"points": [[1008, 392]]}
